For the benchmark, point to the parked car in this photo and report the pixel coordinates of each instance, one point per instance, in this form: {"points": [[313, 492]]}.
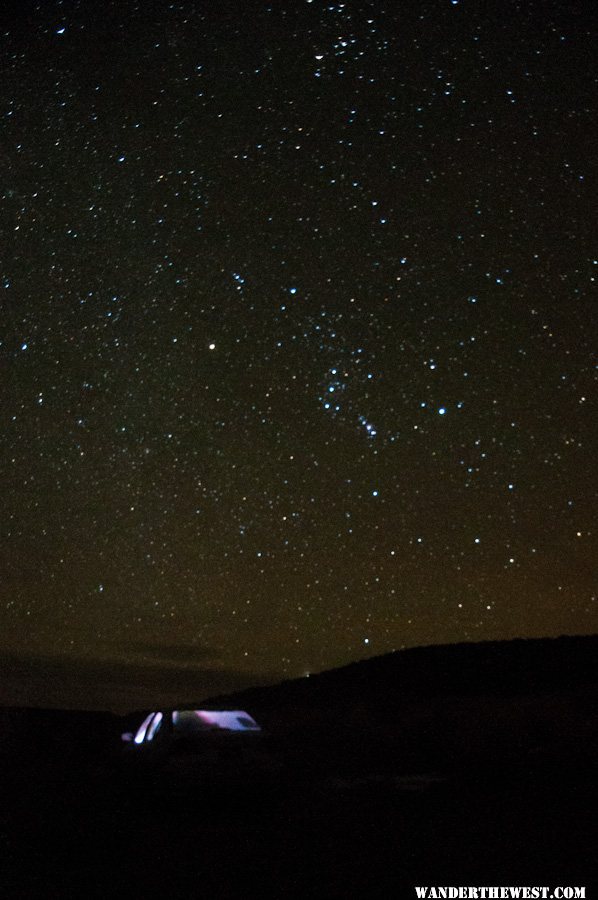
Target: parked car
{"points": [[188, 743]]}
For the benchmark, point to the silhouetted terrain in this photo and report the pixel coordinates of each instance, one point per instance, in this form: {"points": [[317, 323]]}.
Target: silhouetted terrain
{"points": [[467, 764], [493, 667]]}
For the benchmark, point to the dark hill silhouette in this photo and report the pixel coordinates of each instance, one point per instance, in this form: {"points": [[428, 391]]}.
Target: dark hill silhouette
{"points": [[505, 668]]}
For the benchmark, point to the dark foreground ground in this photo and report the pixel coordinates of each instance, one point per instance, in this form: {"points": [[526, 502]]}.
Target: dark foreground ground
{"points": [[109, 832]]}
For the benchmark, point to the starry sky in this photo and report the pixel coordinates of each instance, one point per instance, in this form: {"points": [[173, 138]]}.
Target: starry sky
{"points": [[298, 331]]}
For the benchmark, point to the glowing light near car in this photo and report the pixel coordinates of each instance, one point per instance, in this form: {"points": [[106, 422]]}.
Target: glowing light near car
{"points": [[154, 726], [140, 734]]}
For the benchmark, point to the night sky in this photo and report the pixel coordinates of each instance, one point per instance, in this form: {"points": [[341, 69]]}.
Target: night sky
{"points": [[298, 331]]}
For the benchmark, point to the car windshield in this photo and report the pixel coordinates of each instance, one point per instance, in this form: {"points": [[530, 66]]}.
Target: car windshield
{"points": [[200, 720]]}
